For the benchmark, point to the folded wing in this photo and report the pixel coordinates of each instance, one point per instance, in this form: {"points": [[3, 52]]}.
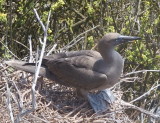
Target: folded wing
{"points": [[76, 70]]}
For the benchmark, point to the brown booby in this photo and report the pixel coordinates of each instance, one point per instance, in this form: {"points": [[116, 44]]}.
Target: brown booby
{"points": [[86, 70]]}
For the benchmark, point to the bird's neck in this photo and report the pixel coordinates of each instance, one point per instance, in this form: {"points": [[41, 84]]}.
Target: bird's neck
{"points": [[107, 53]]}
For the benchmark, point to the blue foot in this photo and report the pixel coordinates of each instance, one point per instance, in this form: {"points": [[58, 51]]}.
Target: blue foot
{"points": [[101, 101]]}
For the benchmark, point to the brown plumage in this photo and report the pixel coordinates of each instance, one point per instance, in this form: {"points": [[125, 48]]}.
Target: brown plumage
{"points": [[85, 70]]}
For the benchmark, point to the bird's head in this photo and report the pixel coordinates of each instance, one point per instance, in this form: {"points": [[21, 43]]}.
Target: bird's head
{"points": [[113, 39]]}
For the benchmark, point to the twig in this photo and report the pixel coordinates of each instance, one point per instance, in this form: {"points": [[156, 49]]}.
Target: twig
{"points": [[38, 118], [78, 108], [38, 65], [30, 51], [126, 104], [141, 71], [20, 100], [8, 95], [75, 39], [136, 16], [21, 44], [40, 40], [41, 55], [38, 18], [53, 49], [19, 103], [129, 79], [8, 48], [67, 47], [145, 94], [9, 102]]}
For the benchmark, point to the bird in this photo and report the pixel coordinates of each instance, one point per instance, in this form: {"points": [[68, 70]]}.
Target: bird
{"points": [[85, 70]]}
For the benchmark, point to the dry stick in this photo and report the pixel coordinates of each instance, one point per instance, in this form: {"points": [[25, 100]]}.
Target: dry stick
{"points": [[53, 49], [40, 40], [41, 56], [78, 37], [8, 48], [142, 96], [38, 118], [20, 102], [126, 104], [30, 47], [146, 94], [39, 64], [21, 44], [141, 71], [79, 107], [16, 42], [136, 17], [131, 79], [128, 79], [67, 47], [8, 98], [9, 101]]}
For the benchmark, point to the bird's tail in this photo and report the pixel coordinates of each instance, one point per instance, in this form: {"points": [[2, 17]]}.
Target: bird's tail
{"points": [[28, 67]]}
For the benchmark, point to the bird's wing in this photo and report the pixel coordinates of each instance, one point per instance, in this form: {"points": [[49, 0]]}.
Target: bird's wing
{"points": [[90, 53], [77, 71]]}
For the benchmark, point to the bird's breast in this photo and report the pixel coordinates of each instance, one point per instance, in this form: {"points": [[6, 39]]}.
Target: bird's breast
{"points": [[112, 70]]}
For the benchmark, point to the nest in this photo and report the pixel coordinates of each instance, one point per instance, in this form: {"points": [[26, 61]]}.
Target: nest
{"points": [[54, 103]]}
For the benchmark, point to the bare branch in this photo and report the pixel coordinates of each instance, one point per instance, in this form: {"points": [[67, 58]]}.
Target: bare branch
{"points": [[141, 71], [146, 94], [53, 49], [8, 48], [30, 47], [71, 45], [38, 65], [38, 18], [74, 41], [9, 101], [40, 40], [128, 105]]}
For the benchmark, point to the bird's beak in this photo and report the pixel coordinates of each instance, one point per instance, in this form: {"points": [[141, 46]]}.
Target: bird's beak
{"points": [[122, 39]]}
